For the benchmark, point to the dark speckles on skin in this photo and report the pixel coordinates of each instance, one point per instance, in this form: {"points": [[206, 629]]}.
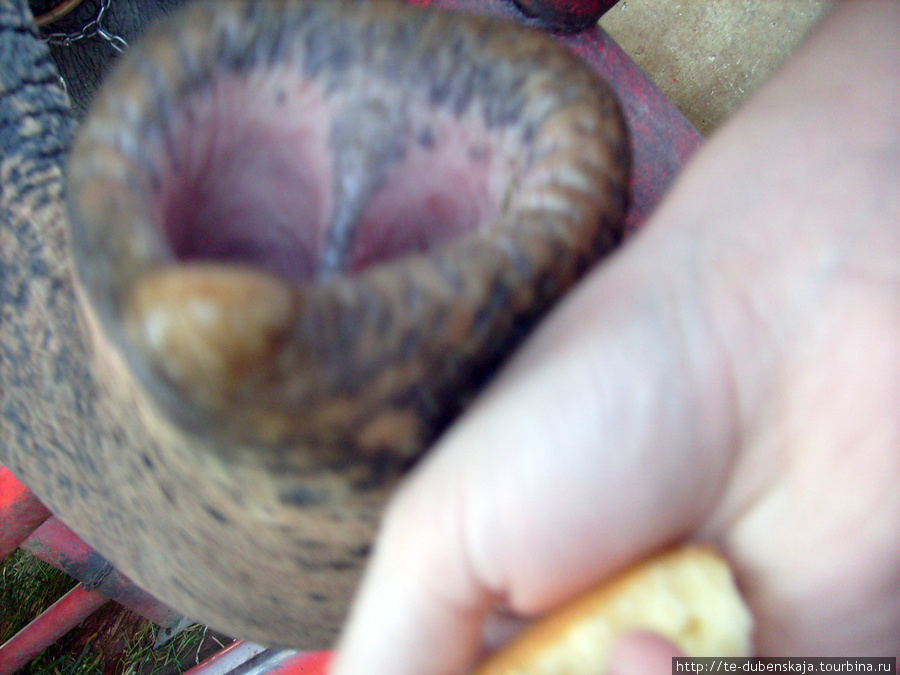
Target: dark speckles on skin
{"points": [[528, 133], [14, 350], [237, 51], [502, 111], [362, 552], [155, 182], [408, 344], [21, 296], [383, 322], [42, 199], [478, 153], [305, 564], [324, 50], [461, 96], [341, 57], [67, 369], [196, 69], [280, 34], [59, 292], [426, 138], [280, 97], [497, 298], [217, 515], [251, 13], [341, 565], [395, 151], [301, 495], [438, 91], [317, 597], [167, 493], [377, 471]]}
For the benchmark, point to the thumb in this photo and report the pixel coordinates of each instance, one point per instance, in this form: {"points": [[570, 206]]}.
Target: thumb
{"points": [[601, 441]]}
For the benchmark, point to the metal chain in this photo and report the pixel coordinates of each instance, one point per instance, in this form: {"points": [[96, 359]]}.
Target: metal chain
{"points": [[93, 28]]}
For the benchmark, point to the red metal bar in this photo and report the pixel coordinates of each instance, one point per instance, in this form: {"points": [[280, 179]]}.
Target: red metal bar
{"points": [[305, 663], [228, 659], [20, 512], [56, 544], [250, 659], [61, 617]]}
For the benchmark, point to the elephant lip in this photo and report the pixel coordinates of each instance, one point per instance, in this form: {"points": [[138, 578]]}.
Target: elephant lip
{"points": [[322, 225]]}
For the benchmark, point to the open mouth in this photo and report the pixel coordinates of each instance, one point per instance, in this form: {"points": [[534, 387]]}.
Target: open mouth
{"points": [[324, 224], [282, 176]]}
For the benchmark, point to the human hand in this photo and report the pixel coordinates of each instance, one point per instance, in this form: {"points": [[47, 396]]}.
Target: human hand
{"points": [[732, 375]]}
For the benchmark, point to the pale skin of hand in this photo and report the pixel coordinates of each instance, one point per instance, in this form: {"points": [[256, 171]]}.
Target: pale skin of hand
{"points": [[731, 375]]}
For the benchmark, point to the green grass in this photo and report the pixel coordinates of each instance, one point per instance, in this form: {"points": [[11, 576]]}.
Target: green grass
{"points": [[85, 662], [112, 642], [184, 651], [27, 587]]}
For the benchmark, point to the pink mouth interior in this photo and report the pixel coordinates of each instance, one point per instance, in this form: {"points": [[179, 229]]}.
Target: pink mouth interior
{"points": [[251, 178]]}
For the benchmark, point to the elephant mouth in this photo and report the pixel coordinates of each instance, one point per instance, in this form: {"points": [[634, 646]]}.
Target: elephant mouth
{"points": [[278, 175], [322, 225]]}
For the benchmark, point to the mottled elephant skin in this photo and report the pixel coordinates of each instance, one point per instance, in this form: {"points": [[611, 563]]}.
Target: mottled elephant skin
{"points": [[290, 242]]}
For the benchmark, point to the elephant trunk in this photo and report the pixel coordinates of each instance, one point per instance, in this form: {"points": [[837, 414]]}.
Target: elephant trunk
{"points": [[318, 238], [302, 235]]}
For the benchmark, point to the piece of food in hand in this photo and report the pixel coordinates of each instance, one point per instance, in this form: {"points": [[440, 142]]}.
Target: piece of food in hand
{"points": [[686, 595]]}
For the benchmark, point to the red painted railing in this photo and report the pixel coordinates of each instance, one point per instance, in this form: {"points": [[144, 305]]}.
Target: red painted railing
{"points": [[26, 523], [20, 513]]}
